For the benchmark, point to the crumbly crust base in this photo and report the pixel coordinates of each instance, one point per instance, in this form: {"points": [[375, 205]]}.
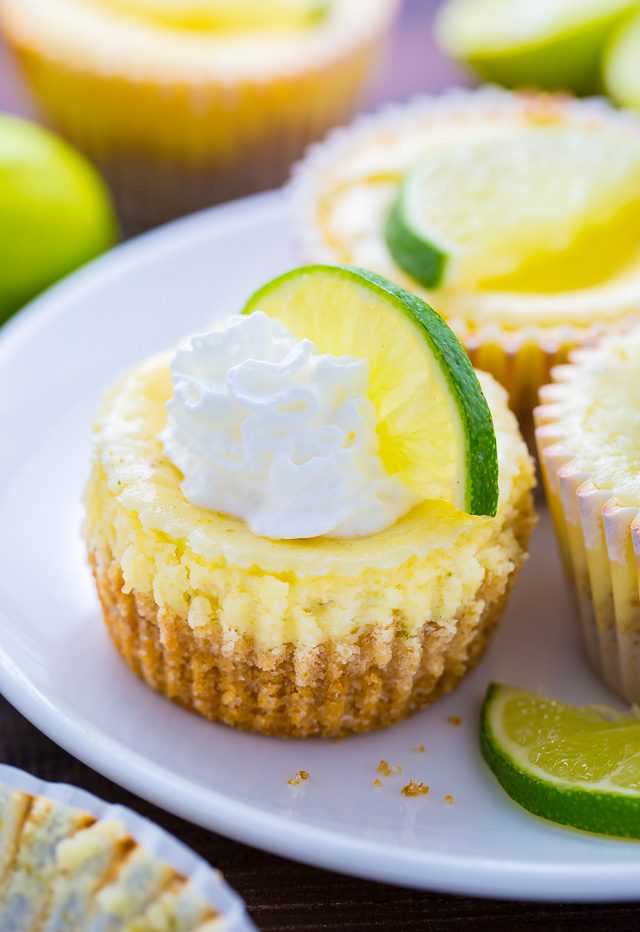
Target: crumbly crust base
{"points": [[334, 689]]}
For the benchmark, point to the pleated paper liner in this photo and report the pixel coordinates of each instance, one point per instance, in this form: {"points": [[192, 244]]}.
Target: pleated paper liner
{"points": [[70, 860], [599, 540], [521, 357]]}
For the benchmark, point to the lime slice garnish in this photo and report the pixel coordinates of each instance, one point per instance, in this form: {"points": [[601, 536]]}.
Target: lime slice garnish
{"points": [[553, 44], [537, 209], [434, 425], [577, 765], [225, 14]]}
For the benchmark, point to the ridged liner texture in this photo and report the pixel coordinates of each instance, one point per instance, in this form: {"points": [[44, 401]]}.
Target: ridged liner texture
{"points": [[599, 542], [520, 358], [168, 148], [337, 688], [80, 810]]}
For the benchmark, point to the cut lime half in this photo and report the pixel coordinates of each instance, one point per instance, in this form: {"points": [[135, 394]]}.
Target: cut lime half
{"points": [[552, 44], [576, 765], [541, 209], [434, 425]]}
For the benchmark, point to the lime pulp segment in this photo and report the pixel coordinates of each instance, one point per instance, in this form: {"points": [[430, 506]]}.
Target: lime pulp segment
{"points": [[434, 425], [575, 765]]}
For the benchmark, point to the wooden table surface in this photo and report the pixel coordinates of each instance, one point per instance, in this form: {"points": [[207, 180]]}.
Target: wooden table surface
{"points": [[283, 896]]}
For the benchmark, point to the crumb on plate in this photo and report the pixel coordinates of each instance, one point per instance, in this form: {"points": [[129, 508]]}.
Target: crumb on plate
{"points": [[301, 775], [387, 771], [414, 788], [454, 720]]}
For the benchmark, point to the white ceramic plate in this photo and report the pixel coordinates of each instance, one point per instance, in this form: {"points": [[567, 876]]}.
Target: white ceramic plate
{"points": [[58, 667]]}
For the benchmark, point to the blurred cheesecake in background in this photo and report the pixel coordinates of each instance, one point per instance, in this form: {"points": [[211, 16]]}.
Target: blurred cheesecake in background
{"points": [[515, 215], [186, 103]]}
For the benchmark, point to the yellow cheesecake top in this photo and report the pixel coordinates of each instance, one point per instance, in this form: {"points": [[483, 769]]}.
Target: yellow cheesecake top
{"points": [[195, 40], [596, 408], [194, 562], [344, 189]]}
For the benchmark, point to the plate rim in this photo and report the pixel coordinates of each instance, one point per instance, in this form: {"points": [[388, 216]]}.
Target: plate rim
{"points": [[599, 881]]}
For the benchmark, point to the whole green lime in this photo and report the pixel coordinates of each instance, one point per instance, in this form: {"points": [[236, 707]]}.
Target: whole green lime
{"points": [[55, 212]]}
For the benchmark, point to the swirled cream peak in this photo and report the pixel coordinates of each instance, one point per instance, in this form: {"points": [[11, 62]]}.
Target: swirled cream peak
{"points": [[264, 428]]}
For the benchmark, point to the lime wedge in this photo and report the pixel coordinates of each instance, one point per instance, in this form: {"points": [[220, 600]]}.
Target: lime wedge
{"points": [[225, 14], [552, 44], [577, 765], [621, 72], [536, 209], [434, 425]]}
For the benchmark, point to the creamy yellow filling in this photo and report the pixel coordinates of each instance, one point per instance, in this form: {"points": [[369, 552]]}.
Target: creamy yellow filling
{"points": [[599, 416], [218, 15], [211, 570]]}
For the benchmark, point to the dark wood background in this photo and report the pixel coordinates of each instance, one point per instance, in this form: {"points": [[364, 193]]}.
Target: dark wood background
{"points": [[283, 896]]}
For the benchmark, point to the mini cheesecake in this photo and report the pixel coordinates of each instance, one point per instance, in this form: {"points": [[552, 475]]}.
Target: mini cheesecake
{"points": [[588, 436], [306, 637]]}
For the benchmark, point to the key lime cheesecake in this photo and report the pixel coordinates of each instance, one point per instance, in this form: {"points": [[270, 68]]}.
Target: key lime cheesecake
{"points": [[185, 103], [516, 215], [588, 436], [307, 521]]}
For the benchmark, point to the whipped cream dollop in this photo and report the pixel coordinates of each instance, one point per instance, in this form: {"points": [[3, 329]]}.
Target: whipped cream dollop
{"points": [[264, 428]]}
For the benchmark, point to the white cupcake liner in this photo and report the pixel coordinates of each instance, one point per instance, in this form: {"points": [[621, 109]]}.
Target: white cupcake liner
{"points": [[599, 540], [209, 882], [519, 357]]}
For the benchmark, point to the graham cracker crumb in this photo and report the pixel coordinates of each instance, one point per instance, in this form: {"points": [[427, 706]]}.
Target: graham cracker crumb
{"points": [[448, 799], [301, 775], [413, 788], [419, 749], [387, 771], [454, 720], [377, 782]]}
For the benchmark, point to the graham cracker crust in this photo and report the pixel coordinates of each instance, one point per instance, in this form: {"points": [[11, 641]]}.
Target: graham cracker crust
{"points": [[331, 690]]}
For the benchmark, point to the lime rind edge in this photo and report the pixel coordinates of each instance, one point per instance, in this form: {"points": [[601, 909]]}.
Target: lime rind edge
{"points": [[475, 423], [418, 257]]}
